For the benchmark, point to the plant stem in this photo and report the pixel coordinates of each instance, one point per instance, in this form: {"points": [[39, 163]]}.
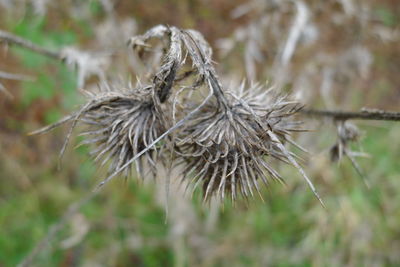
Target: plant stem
{"points": [[12, 39], [364, 114]]}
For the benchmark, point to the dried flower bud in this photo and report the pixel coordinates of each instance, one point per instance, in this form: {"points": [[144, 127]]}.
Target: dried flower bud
{"points": [[347, 133]]}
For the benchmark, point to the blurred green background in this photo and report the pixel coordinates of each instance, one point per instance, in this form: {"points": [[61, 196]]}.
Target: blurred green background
{"points": [[125, 225]]}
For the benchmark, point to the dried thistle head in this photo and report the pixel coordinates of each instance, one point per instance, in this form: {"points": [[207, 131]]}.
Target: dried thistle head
{"points": [[120, 122], [227, 148], [347, 133], [123, 125], [226, 140]]}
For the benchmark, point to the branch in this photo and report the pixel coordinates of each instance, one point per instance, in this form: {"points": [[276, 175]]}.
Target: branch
{"points": [[12, 39], [86, 63], [364, 114], [16, 77]]}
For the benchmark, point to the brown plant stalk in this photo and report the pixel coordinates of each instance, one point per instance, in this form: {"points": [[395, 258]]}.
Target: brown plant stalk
{"points": [[364, 114]]}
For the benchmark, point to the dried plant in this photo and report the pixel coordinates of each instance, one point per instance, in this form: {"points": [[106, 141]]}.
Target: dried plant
{"points": [[227, 138], [227, 145], [121, 121], [121, 125], [347, 134], [85, 63]]}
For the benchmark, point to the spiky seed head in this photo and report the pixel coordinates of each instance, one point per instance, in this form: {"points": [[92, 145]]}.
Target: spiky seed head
{"points": [[227, 150], [225, 142], [121, 127], [347, 133]]}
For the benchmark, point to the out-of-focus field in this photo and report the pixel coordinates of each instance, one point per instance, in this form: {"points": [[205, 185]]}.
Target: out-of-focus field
{"points": [[126, 225]]}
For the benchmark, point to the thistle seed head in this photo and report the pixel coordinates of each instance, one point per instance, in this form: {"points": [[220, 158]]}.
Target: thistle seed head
{"points": [[120, 127], [347, 133], [227, 149], [226, 140]]}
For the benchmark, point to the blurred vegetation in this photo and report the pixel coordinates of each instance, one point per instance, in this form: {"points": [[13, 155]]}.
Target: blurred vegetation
{"points": [[125, 225]]}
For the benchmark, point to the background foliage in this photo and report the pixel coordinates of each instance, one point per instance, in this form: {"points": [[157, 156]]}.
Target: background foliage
{"points": [[125, 224]]}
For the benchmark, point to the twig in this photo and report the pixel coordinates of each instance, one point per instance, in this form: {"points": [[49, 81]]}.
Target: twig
{"points": [[12, 39], [16, 77], [364, 114]]}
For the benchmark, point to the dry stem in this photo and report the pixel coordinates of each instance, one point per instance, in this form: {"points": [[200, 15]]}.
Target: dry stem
{"points": [[12, 39], [364, 114]]}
